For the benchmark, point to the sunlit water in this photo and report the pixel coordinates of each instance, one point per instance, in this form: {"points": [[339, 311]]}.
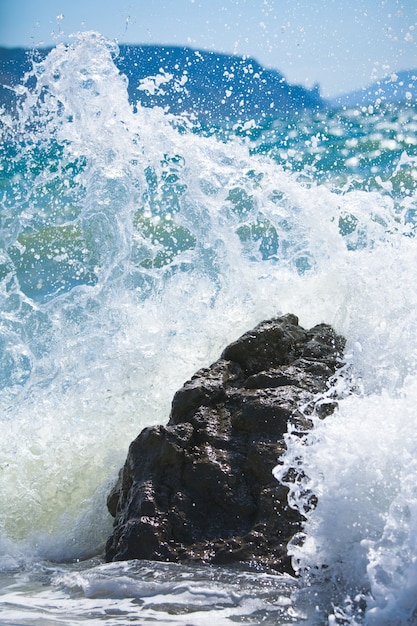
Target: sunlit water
{"points": [[134, 247]]}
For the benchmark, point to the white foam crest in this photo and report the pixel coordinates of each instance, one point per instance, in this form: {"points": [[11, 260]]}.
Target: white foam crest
{"points": [[357, 547], [359, 540], [68, 99]]}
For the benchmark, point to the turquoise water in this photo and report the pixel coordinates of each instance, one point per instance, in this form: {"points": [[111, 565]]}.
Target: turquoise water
{"points": [[135, 246]]}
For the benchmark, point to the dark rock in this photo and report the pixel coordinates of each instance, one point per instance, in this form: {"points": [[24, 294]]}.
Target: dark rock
{"points": [[201, 488]]}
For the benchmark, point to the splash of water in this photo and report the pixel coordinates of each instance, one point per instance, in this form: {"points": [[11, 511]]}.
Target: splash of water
{"points": [[133, 250], [356, 554]]}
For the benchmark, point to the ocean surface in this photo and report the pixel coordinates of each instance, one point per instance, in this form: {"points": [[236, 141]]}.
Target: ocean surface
{"points": [[135, 245]]}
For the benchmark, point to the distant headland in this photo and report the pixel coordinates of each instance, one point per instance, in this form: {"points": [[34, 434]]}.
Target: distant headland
{"points": [[211, 87]]}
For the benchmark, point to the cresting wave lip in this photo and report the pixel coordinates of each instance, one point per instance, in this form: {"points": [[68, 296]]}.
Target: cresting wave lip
{"points": [[132, 244]]}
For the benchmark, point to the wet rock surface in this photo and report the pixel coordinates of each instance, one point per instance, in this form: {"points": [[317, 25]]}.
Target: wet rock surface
{"points": [[201, 488]]}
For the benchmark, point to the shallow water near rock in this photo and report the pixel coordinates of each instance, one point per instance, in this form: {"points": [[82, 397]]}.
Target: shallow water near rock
{"points": [[134, 247], [146, 592]]}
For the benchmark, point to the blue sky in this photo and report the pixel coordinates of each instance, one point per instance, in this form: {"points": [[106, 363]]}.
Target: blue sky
{"points": [[341, 44]]}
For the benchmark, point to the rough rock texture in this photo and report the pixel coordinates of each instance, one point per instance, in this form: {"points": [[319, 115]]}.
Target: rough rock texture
{"points": [[201, 488]]}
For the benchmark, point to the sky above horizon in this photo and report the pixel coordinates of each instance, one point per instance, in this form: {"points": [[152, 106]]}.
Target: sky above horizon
{"points": [[340, 45]]}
